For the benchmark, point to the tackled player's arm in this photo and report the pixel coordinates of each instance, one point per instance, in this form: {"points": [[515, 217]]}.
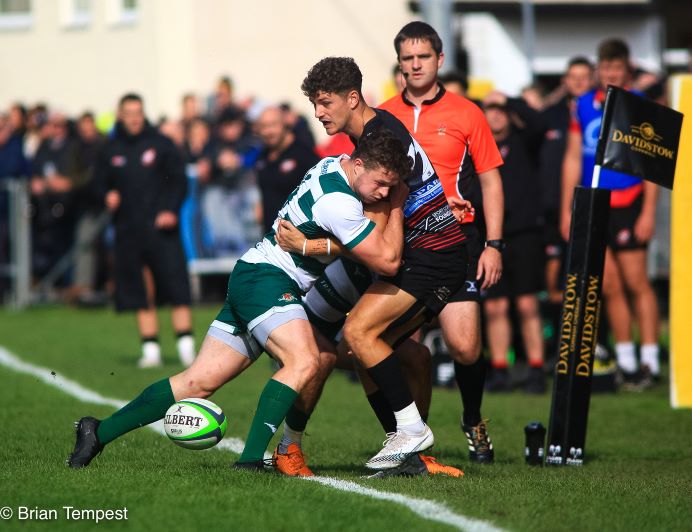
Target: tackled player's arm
{"points": [[292, 240], [382, 249]]}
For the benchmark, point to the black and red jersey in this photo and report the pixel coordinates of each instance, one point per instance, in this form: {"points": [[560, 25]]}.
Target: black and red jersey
{"points": [[428, 220]]}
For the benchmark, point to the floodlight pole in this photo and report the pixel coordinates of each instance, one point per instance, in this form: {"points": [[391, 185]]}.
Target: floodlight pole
{"points": [[528, 25], [439, 14]]}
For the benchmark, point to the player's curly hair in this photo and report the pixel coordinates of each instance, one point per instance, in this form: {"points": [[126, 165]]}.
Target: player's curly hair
{"points": [[333, 74], [381, 148]]}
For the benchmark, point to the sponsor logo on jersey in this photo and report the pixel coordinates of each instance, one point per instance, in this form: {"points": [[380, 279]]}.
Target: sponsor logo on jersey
{"points": [[421, 196], [623, 236], [442, 214], [148, 157], [442, 293], [553, 134], [288, 166], [118, 161], [591, 132], [442, 129], [471, 286], [287, 297]]}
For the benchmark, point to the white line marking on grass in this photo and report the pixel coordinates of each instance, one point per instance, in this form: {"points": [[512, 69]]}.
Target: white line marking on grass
{"points": [[430, 510], [85, 395]]}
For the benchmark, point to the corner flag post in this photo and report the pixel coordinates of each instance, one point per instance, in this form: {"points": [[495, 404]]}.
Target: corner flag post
{"points": [[637, 137]]}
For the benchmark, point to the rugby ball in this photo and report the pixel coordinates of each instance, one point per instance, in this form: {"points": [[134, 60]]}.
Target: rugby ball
{"points": [[195, 424]]}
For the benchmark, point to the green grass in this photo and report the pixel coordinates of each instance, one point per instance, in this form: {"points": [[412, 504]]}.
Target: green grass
{"points": [[638, 473]]}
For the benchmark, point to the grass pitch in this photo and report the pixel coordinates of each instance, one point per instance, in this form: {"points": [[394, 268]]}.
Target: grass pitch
{"points": [[638, 473]]}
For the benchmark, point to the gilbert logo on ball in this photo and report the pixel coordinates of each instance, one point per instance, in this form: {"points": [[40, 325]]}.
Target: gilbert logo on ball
{"points": [[195, 424]]}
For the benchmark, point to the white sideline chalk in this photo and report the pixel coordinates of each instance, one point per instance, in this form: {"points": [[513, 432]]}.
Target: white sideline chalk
{"points": [[426, 509]]}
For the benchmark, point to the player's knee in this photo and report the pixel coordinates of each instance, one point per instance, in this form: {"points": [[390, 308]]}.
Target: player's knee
{"points": [[465, 353], [527, 306], [327, 361], [306, 367], [356, 336], [495, 309], [310, 370], [189, 384]]}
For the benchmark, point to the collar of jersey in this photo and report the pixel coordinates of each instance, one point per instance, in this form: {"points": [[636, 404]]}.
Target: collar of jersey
{"points": [[436, 98]]}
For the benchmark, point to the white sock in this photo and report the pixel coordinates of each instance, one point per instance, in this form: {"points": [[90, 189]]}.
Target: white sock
{"points": [[151, 350], [409, 420], [290, 436], [625, 354], [648, 356], [186, 349]]}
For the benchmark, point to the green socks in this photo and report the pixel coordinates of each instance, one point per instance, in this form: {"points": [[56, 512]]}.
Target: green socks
{"points": [[149, 406], [274, 403], [152, 403]]}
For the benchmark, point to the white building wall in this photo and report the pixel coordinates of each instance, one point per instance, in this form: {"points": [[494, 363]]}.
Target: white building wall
{"points": [[176, 46], [78, 68], [493, 53]]}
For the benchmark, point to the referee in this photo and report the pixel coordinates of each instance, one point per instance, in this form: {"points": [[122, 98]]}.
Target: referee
{"points": [[141, 177]]}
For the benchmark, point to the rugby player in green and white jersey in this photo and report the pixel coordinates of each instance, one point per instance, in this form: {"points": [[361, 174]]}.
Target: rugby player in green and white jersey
{"points": [[263, 310], [333, 86]]}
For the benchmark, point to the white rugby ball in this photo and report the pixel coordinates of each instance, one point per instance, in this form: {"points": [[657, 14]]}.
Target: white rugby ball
{"points": [[195, 424]]}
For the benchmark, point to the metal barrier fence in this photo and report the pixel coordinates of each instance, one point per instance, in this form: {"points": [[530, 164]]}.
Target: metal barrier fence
{"points": [[15, 242], [207, 253], [16, 290]]}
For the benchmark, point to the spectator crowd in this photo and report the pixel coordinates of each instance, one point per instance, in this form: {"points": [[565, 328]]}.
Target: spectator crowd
{"points": [[243, 158]]}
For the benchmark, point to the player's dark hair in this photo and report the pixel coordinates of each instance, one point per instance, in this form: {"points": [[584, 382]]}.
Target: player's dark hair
{"points": [[579, 60], [612, 49], [130, 97], [455, 76], [333, 74], [418, 31], [382, 149]]}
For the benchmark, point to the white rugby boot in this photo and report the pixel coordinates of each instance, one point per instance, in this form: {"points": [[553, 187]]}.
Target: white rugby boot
{"points": [[399, 446]]}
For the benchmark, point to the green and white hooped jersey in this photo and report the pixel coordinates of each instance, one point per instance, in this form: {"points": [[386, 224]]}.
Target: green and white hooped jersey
{"points": [[322, 205], [337, 290]]}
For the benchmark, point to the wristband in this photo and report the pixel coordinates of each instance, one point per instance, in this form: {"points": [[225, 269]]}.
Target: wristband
{"points": [[305, 243]]}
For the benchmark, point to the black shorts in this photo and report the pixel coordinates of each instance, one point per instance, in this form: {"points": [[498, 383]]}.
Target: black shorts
{"points": [[160, 251], [523, 266], [621, 226], [552, 239], [432, 277], [471, 289]]}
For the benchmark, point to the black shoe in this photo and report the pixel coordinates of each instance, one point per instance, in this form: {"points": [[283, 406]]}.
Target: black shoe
{"points": [[654, 378], [535, 383], [250, 466], [637, 381], [413, 466], [87, 445], [480, 446], [498, 381]]}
